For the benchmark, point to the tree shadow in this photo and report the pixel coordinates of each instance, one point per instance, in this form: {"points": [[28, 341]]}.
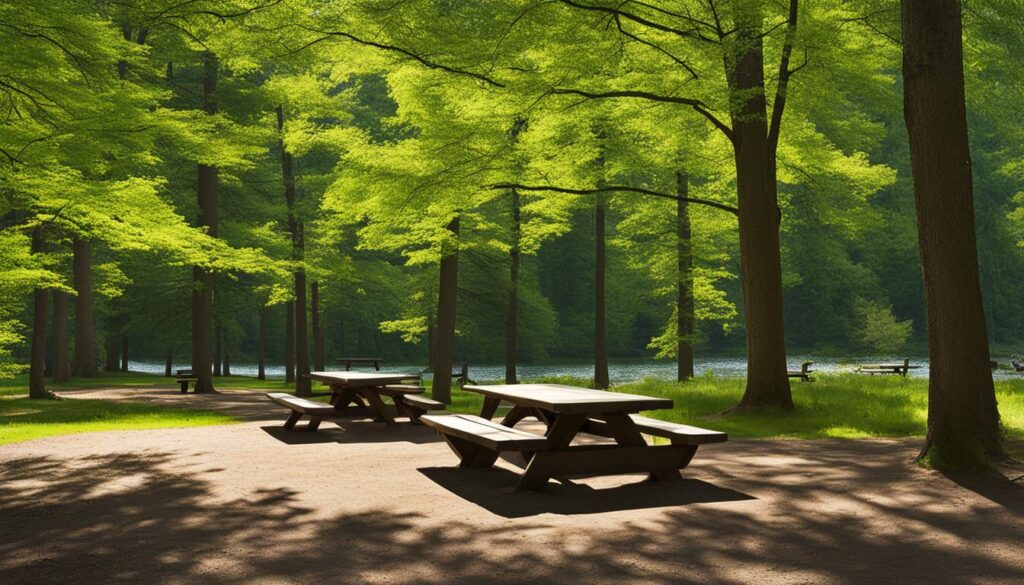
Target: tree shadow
{"points": [[493, 490], [350, 432], [817, 512]]}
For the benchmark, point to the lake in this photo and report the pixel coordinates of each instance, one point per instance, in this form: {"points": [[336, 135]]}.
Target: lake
{"points": [[619, 372]]}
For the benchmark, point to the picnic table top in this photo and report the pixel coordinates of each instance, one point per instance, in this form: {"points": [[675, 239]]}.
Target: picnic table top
{"points": [[359, 359], [888, 366], [362, 378], [569, 399]]}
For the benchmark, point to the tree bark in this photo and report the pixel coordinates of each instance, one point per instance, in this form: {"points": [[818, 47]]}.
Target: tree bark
{"points": [[600, 299], [289, 342], [512, 317], [124, 352], [261, 349], [963, 418], [169, 363], [218, 349], [684, 296], [85, 350], [447, 298], [61, 365], [318, 330], [226, 370], [209, 217], [40, 312], [303, 386], [759, 218], [112, 345]]}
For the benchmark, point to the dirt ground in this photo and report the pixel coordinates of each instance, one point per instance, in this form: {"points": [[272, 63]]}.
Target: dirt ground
{"points": [[362, 503]]}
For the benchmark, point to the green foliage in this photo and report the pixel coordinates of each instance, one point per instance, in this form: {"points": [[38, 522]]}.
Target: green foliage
{"points": [[879, 331]]}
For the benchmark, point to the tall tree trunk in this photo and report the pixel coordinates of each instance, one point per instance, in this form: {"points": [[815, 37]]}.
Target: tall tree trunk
{"points": [[261, 347], [512, 316], [218, 348], [85, 350], [302, 381], [431, 343], [226, 370], [600, 326], [112, 345], [447, 298], [684, 291], [289, 342], [124, 352], [209, 216], [61, 366], [169, 363], [40, 312], [963, 418], [759, 218], [318, 330]]}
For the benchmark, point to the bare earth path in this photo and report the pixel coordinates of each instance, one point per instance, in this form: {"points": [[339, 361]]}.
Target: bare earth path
{"points": [[248, 503]]}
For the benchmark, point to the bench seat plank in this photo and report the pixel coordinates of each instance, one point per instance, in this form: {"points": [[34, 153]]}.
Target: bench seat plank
{"points": [[678, 433], [485, 433], [307, 407], [422, 402]]}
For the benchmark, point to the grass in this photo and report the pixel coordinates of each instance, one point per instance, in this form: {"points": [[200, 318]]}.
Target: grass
{"points": [[846, 406]]}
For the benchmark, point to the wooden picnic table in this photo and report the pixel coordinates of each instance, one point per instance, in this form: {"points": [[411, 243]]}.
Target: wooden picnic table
{"points": [[360, 393], [348, 361], [568, 411], [894, 368]]}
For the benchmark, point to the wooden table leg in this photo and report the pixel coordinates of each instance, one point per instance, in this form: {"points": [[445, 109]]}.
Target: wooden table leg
{"points": [[490, 407], [373, 398], [541, 467], [624, 431]]}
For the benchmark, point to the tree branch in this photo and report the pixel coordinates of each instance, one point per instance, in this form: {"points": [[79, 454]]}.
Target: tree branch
{"points": [[618, 188], [698, 106], [784, 74], [693, 33]]}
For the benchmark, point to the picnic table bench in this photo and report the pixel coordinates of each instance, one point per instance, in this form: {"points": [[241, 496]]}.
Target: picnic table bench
{"points": [[883, 369], [348, 361], [360, 395], [804, 373], [567, 411], [184, 377]]}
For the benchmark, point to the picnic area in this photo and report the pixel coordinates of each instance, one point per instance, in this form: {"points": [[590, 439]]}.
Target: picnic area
{"points": [[511, 291]]}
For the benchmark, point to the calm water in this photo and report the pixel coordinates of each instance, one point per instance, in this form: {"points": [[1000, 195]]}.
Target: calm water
{"points": [[619, 372]]}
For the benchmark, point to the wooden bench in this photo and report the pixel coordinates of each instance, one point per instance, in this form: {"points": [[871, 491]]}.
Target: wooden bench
{"points": [[678, 434], [316, 411], [884, 369], [349, 361], [184, 378], [477, 440], [419, 405], [804, 373]]}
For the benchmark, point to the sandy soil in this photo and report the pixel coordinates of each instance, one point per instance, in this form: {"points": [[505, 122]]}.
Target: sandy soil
{"points": [[250, 503]]}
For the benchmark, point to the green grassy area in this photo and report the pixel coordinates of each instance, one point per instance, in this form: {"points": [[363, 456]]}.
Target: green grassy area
{"points": [[846, 406]]}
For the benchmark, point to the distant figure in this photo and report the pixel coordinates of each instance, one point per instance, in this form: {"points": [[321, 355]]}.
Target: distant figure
{"points": [[1018, 363]]}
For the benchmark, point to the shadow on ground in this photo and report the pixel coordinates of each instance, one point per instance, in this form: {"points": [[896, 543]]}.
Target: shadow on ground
{"points": [[144, 517]]}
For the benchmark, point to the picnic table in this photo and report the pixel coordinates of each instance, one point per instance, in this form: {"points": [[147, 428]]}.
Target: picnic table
{"points": [[348, 361], [900, 369], [568, 411], [356, 394]]}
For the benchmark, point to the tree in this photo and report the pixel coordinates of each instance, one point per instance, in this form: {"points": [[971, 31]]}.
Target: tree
{"points": [[963, 419]]}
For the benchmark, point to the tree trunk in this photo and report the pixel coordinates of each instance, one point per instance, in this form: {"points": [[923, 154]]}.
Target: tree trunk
{"points": [[289, 342], [684, 296], [85, 350], [218, 348], [227, 362], [302, 381], [512, 316], [169, 363], [963, 418], [37, 359], [431, 344], [600, 326], [759, 217], [447, 297], [209, 216], [112, 343], [318, 330], [61, 366], [124, 352], [261, 347]]}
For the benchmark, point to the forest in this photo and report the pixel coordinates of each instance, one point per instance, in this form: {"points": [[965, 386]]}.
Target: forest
{"points": [[435, 182]]}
